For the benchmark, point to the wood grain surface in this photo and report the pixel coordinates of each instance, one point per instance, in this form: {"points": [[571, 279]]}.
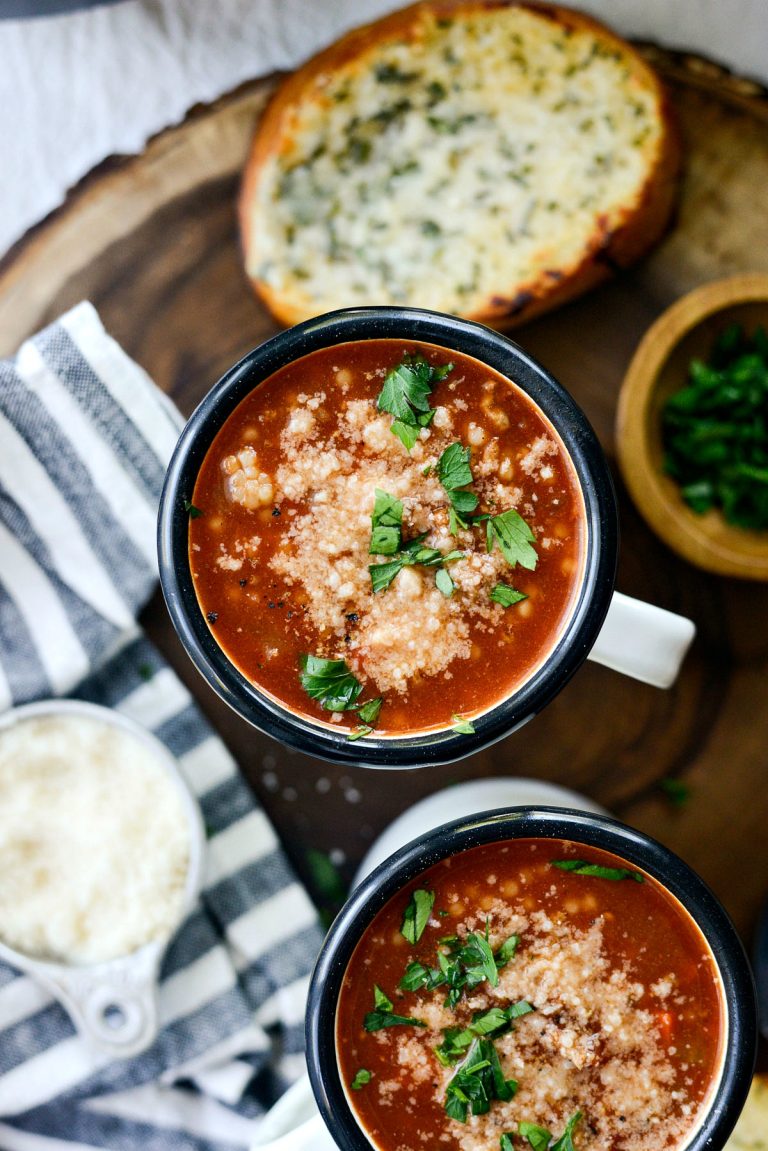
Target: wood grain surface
{"points": [[152, 242]]}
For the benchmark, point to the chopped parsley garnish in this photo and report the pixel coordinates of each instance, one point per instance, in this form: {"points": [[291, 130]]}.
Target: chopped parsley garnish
{"points": [[383, 1014], [715, 433], [406, 394], [444, 583], [565, 1142], [454, 473], [191, 510], [677, 792], [462, 965], [514, 537], [506, 951], [596, 870], [505, 1142], [386, 525], [478, 1081], [335, 688], [369, 711], [462, 726], [361, 1078], [418, 976], [467, 964], [330, 682], [361, 730], [505, 595], [539, 1138], [417, 915], [453, 467], [412, 554], [495, 1022]]}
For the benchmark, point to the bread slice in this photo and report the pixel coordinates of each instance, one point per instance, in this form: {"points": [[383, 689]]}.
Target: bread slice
{"points": [[482, 157], [751, 1133]]}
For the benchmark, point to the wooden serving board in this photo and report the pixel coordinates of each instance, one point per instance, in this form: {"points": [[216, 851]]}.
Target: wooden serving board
{"points": [[152, 241]]}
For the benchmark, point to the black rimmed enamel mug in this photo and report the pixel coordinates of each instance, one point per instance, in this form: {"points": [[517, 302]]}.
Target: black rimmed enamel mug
{"points": [[738, 1036], [636, 638]]}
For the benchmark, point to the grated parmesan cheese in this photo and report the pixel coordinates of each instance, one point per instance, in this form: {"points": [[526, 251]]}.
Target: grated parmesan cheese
{"points": [[94, 841], [326, 549]]}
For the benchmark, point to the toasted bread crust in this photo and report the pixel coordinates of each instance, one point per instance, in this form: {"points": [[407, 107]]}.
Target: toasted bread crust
{"points": [[617, 239]]}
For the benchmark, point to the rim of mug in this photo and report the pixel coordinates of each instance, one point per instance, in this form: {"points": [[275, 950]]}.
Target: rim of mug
{"points": [[737, 1062], [592, 599]]}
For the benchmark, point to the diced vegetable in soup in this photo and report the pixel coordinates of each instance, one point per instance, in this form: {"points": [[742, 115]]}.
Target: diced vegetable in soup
{"points": [[388, 537], [531, 994]]}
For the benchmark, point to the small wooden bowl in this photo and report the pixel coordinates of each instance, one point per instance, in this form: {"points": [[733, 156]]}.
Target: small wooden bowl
{"points": [[659, 367]]}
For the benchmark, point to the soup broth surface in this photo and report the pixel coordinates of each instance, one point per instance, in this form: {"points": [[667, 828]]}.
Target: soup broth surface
{"points": [[605, 1010], [283, 536]]}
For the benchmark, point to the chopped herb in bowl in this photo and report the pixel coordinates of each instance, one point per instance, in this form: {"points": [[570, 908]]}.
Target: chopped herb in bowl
{"points": [[715, 430]]}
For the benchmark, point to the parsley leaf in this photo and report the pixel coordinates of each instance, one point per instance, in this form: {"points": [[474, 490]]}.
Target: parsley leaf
{"points": [[381, 1001], [386, 524], [478, 959], [565, 1142], [408, 433], [462, 726], [361, 730], [329, 681], [453, 468], [383, 574], [538, 1137], [417, 976], [477, 1082], [413, 553], [677, 792], [514, 537], [505, 1142], [444, 582], [406, 393], [494, 1022], [191, 510], [361, 1078], [454, 473], [505, 595], [596, 870], [417, 915], [369, 711], [383, 1014], [506, 951]]}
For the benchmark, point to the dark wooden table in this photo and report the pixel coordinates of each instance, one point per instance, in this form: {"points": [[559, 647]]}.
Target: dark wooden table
{"points": [[153, 243]]}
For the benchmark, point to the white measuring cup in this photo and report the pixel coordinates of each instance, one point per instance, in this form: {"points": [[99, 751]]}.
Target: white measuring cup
{"points": [[113, 1004]]}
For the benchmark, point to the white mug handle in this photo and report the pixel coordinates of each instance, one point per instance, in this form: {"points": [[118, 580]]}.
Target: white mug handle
{"points": [[646, 642], [294, 1123]]}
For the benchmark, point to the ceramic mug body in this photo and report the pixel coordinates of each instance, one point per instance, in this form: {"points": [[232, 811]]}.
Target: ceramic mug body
{"points": [[601, 535], [738, 996]]}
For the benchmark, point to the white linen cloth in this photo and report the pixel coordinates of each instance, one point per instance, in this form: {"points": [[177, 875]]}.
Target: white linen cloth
{"points": [[77, 88], [85, 438]]}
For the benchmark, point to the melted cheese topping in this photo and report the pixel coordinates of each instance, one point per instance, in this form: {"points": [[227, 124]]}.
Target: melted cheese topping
{"points": [[465, 162]]}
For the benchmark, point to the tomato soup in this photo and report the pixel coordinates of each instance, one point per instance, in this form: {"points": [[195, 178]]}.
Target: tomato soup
{"points": [[387, 537], [531, 994]]}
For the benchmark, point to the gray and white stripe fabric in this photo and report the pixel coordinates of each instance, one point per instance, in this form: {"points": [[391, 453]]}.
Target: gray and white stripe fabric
{"points": [[84, 441]]}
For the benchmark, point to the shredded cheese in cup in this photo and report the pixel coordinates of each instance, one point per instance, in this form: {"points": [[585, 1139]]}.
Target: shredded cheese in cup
{"points": [[94, 840]]}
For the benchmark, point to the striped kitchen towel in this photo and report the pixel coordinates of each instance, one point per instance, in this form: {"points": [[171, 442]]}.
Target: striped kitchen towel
{"points": [[84, 441]]}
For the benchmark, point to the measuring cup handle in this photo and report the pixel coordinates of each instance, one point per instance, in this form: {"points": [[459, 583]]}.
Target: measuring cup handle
{"points": [[114, 1008], [646, 642]]}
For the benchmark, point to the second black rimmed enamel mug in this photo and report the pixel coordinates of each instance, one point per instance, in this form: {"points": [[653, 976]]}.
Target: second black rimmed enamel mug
{"points": [[555, 832], [600, 624]]}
